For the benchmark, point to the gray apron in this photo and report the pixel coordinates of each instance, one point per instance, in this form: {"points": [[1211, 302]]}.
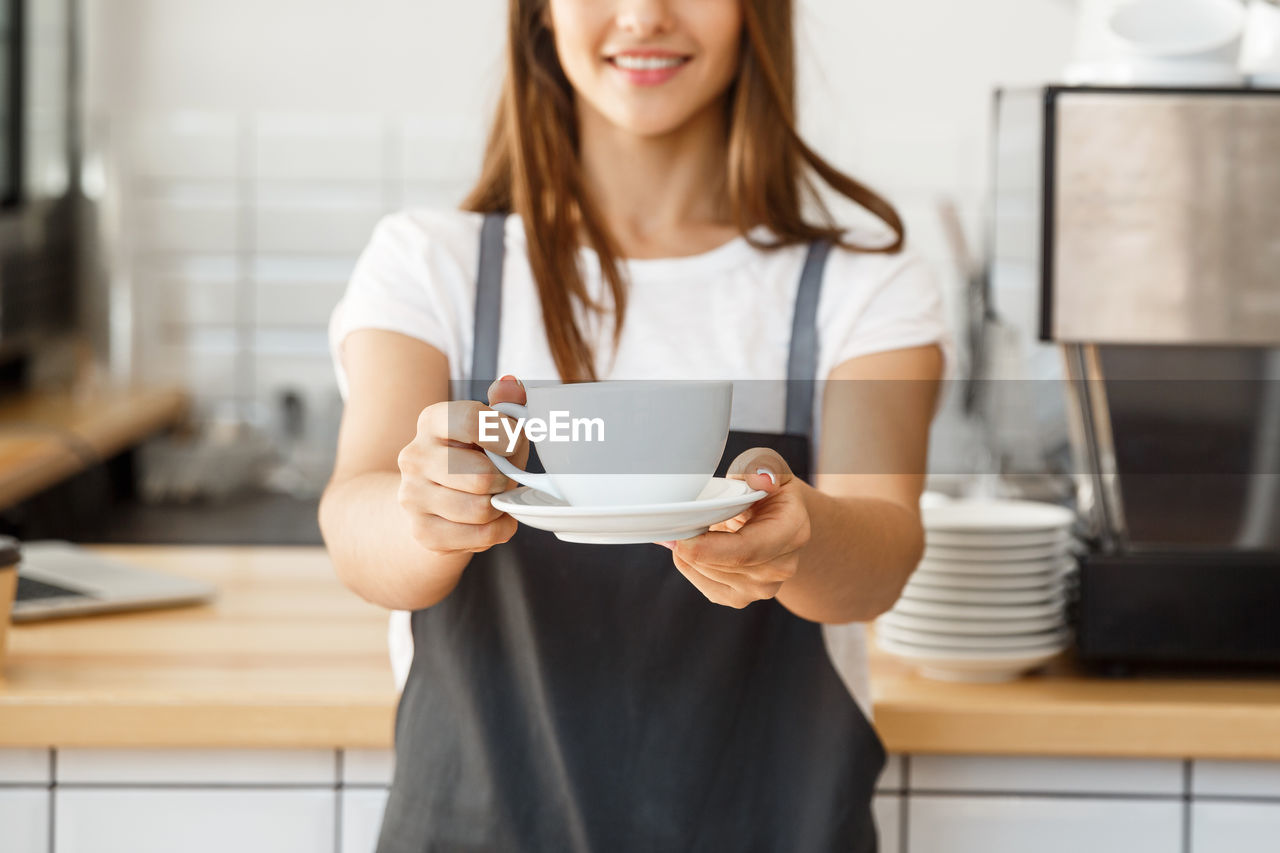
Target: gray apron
{"points": [[569, 698]]}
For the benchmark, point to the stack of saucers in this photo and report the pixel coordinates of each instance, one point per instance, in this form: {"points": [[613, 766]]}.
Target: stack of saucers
{"points": [[988, 601]]}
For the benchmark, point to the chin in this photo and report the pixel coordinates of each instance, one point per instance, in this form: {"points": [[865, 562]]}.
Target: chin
{"points": [[651, 125]]}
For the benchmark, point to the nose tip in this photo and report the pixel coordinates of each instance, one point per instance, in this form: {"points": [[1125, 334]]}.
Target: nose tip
{"points": [[644, 18]]}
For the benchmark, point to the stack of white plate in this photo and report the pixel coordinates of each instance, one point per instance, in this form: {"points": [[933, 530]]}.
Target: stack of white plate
{"points": [[988, 602]]}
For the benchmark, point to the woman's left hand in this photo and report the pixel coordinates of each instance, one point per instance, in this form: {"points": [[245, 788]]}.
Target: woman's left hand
{"points": [[749, 557]]}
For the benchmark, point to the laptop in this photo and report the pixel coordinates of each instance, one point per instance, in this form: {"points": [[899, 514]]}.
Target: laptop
{"points": [[58, 578]]}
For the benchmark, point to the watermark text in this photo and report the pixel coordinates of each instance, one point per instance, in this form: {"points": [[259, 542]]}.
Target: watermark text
{"points": [[560, 426]]}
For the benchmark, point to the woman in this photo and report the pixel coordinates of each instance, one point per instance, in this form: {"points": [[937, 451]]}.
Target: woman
{"points": [[574, 697]]}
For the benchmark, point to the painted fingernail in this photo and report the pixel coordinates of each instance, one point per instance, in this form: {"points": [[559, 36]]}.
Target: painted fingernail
{"points": [[773, 478]]}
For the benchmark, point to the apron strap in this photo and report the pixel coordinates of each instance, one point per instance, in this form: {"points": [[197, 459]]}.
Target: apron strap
{"points": [[802, 363], [488, 319]]}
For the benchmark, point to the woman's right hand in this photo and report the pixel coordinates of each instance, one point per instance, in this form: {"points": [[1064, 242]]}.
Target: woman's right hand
{"points": [[446, 480]]}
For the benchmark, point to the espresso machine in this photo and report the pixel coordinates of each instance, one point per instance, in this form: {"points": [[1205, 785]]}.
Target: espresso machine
{"points": [[1149, 221]]}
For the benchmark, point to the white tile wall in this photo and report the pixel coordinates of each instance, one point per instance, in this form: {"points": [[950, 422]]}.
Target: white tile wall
{"points": [[24, 820], [368, 766], [211, 371], [888, 814], [1235, 827], [298, 290], [892, 777], [362, 810], [164, 301], [269, 800], [1236, 778], [431, 195], [334, 222], [124, 820], [197, 766], [442, 149], [184, 146], [303, 304], [320, 148], [975, 824], [1046, 775], [185, 225], [24, 766]]}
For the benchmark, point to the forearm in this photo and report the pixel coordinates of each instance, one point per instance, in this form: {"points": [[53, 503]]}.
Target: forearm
{"points": [[370, 540], [860, 553]]}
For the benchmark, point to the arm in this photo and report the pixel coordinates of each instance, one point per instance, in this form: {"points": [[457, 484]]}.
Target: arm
{"points": [[407, 504], [865, 510], [842, 550]]}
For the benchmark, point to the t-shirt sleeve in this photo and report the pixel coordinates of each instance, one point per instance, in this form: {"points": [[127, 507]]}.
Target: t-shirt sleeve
{"points": [[877, 303], [391, 288]]}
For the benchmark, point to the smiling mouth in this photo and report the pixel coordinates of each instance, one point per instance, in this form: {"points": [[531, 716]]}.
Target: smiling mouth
{"points": [[635, 62]]}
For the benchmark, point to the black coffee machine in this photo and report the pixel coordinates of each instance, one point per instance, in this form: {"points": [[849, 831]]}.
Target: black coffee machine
{"points": [[1159, 262]]}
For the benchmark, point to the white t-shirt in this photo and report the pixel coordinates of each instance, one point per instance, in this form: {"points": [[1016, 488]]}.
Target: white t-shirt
{"points": [[724, 314]]}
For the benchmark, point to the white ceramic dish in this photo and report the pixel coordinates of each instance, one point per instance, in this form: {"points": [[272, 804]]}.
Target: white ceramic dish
{"points": [[963, 580], [936, 553], [974, 627], [961, 666], [720, 500], [951, 595], [915, 607], [982, 516], [994, 567], [968, 643], [983, 539]]}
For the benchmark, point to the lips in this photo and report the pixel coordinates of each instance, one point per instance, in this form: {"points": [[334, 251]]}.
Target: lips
{"points": [[648, 68]]}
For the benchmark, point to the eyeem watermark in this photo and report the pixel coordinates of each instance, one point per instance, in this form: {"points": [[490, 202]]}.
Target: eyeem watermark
{"points": [[560, 427]]}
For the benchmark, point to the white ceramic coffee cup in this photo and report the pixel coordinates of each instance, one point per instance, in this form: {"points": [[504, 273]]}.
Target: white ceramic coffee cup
{"points": [[637, 442]]}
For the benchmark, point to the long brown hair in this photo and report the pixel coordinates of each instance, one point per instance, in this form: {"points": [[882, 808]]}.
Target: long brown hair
{"points": [[531, 168]]}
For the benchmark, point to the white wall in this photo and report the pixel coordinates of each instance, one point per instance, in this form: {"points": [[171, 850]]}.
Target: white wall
{"points": [[248, 146]]}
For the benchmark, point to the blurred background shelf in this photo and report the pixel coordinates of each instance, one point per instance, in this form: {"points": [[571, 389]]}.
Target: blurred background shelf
{"points": [[68, 470]]}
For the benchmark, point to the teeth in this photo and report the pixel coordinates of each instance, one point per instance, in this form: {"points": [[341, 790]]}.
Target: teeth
{"points": [[646, 63]]}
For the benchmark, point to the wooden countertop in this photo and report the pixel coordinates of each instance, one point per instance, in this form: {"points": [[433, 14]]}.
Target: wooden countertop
{"points": [[286, 657], [47, 437]]}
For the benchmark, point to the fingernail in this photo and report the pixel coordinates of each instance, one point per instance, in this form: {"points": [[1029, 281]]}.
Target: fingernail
{"points": [[670, 546], [773, 478], [513, 379]]}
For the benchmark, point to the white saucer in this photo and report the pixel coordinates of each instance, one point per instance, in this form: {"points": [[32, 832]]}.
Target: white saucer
{"points": [[988, 539], [985, 667], [1034, 566], [720, 500], [943, 553], [953, 595], [997, 516], [916, 607], [974, 627], [978, 646], [1040, 581]]}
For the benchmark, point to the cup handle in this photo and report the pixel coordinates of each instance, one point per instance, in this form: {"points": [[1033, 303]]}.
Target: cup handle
{"points": [[540, 482]]}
